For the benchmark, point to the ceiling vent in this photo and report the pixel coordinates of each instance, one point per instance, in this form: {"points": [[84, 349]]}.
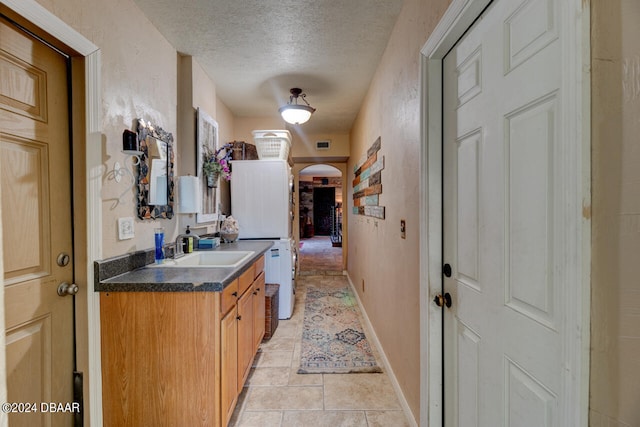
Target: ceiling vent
{"points": [[323, 145]]}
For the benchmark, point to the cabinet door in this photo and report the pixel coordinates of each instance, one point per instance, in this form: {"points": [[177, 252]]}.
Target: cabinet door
{"points": [[245, 337], [229, 365], [259, 266], [259, 313], [229, 297], [246, 279]]}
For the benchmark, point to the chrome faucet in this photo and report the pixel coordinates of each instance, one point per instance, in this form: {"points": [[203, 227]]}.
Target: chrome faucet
{"points": [[180, 239]]}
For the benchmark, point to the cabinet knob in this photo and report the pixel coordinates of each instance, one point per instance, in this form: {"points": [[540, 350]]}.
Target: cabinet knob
{"points": [[235, 294], [239, 317]]}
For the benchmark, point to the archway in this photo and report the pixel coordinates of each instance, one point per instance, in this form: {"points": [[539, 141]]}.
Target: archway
{"points": [[320, 213]]}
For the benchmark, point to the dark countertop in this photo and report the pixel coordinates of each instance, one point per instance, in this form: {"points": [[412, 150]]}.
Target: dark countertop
{"points": [[111, 278]]}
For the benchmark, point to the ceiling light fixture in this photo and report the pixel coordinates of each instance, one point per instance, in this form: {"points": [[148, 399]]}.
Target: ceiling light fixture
{"points": [[294, 113]]}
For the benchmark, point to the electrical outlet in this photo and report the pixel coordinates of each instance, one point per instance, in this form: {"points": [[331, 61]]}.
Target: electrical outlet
{"points": [[403, 229], [125, 228]]}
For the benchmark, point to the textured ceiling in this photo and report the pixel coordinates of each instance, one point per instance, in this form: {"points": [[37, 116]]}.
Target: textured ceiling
{"points": [[256, 50]]}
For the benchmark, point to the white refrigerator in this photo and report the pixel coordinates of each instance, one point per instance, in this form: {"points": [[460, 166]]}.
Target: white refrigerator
{"points": [[262, 202]]}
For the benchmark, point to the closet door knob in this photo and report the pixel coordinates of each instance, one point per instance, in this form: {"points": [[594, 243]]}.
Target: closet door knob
{"points": [[443, 300]]}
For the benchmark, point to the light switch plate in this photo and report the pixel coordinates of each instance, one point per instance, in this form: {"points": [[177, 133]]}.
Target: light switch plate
{"points": [[125, 228]]}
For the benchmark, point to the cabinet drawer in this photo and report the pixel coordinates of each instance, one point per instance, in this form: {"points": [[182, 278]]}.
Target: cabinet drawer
{"points": [[246, 279], [229, 297], [259, 266]]}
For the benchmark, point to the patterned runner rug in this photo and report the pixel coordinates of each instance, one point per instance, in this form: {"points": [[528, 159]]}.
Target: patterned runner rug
{"points": [[333, 340]]}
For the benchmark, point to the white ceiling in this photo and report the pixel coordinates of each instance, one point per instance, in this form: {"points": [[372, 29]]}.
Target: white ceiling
{"points": [[256, 50]]}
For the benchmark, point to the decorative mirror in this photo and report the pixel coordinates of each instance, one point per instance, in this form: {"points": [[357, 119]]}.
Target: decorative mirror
{"points": [[155, 172]]}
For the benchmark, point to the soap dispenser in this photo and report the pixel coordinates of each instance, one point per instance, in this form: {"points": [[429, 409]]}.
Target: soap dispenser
{"points": [[187, 243]]}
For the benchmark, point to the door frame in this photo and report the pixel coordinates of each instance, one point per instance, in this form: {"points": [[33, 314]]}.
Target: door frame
{"points": [[342, 167], [575, 16], [87, 185]]}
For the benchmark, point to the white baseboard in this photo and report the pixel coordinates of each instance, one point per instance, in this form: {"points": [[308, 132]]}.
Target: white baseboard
{"points": [[371, 334]]}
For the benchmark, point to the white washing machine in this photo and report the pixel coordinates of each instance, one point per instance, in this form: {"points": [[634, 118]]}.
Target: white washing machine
{"points": [[280, 268]]}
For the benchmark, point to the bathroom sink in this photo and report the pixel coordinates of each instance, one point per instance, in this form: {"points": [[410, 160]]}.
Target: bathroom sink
{"points": [[208, 259]]}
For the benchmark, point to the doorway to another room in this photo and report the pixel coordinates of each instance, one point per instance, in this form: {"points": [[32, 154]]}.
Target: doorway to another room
{"points": [[320, 213]]}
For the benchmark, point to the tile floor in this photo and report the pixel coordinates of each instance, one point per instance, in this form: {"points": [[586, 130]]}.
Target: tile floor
{"points": [[318, 256], [276, 395]]}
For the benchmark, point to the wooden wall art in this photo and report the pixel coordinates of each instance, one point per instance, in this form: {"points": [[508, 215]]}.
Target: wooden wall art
{"points": [[367, 185]]}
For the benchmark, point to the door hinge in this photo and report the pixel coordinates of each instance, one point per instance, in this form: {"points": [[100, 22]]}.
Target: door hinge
{"points": [[78, 420]]}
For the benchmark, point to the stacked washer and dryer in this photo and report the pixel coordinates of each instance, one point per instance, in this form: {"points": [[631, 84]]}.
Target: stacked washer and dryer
{"points": [[262, 200]]}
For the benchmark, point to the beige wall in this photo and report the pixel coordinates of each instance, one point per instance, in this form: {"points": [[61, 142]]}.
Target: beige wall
{"points": [[245, 125], [615, 323], [140, 72], [139, 69], [304, 146], [389, 265], [226, 121], [197, 90]]}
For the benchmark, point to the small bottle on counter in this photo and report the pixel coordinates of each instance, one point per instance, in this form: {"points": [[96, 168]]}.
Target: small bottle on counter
{"points": [[159, 240]]}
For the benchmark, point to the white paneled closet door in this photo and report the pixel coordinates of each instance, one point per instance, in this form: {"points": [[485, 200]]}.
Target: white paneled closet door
{"points": [[503, 202]]}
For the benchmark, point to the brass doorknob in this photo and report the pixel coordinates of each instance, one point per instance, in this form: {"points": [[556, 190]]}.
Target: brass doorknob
{"points": [[443, 300]]}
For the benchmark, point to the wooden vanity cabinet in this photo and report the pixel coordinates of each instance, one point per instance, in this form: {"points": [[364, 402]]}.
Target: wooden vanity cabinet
{"points": [[229, 297], [259, 311], [229, 365], [179, 358], [251, 306], [246, 311], [245, 337], [160, 358]]}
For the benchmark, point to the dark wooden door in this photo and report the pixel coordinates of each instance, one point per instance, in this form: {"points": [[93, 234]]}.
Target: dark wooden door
{"points": [[324, 199]]}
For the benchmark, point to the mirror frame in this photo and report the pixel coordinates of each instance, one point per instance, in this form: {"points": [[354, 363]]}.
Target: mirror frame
{"points": [[146, 211]]}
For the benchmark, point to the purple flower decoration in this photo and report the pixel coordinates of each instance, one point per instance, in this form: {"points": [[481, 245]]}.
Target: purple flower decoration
{"points": [[217, 162]]}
